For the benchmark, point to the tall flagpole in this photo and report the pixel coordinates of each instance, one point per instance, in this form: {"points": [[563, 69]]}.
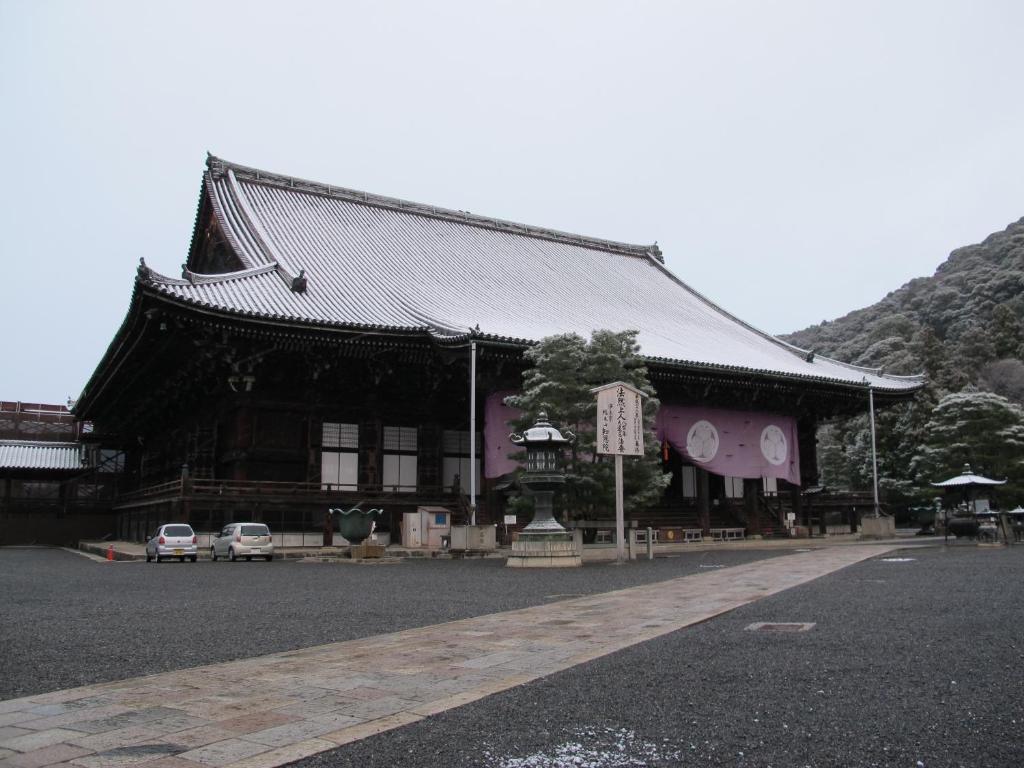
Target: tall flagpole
{"points": [[874, 456], [472, 433]]}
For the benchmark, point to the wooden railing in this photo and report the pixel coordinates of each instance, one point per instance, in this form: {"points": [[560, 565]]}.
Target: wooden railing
{"points": [[173, 488]]}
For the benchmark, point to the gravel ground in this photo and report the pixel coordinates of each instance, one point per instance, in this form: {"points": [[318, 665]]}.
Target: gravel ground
{"points": [[914, 663], [68, 620]]}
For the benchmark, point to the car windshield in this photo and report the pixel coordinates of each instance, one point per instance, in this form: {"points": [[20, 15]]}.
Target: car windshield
{"points": [[178, 530], [255, 530]]}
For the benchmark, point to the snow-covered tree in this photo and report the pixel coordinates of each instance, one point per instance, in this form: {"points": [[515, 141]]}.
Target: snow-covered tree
{"points": [[978, 428], [564, 370]]}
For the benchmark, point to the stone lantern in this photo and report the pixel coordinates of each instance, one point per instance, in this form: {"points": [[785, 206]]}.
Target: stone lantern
{"points": [[544, 543]]}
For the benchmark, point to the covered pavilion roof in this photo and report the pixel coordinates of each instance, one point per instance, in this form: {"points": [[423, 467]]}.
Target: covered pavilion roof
{"points": [[323, 256], [968, 479]]}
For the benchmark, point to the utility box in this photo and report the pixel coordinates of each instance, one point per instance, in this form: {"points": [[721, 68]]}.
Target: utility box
{"points": [[425, 527], [478, 538]]}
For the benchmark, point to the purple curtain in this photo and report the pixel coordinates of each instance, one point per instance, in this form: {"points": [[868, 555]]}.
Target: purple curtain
{"points": [[497, 446], [746, 444]]}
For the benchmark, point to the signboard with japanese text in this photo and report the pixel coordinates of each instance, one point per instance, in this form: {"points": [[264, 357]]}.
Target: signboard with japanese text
{"points": [[620, 420]]}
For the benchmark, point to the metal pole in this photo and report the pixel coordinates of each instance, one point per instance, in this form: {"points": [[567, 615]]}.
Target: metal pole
{"points": [[472, 433], [620, 544], [874, 457]]}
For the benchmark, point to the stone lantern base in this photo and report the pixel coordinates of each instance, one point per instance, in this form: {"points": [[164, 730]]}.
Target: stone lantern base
{"points": [[544, 550]]}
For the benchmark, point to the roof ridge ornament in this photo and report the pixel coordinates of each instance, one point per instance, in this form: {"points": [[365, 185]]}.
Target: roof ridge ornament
{"points": [[299, 282], [214, 164]]}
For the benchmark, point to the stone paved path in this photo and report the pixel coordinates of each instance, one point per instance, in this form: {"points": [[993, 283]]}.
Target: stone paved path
{"points": [[269, 710]]}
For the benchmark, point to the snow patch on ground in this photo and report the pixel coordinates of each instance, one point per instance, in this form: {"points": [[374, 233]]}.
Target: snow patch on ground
{"points": [[596, 748]]}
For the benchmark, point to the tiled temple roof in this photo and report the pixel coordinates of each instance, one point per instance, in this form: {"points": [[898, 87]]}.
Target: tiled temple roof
{"points": [[325, 256]]}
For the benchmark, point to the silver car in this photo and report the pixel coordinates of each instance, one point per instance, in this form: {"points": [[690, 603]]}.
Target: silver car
{"points": [[246, 540], [173, 540]]}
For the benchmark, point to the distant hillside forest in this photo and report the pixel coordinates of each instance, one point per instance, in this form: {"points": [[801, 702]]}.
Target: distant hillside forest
{"points": [[964, 329]]}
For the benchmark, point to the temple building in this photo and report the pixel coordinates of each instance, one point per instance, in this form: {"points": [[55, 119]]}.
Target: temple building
{"points": [[315, 353], [55, 488]]}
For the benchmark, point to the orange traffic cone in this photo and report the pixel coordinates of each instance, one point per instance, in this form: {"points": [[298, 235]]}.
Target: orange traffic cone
{"points": [[110, 552]]}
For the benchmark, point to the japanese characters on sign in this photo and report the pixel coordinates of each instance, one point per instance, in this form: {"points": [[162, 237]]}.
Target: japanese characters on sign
{"points": [[620, 421]]}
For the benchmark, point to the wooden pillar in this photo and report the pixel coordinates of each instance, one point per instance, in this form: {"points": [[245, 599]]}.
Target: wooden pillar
{"points": [[186, 495], [796, 500], [371, 465], [245, 430], [751, 505], [807, 439], [704, 501]]}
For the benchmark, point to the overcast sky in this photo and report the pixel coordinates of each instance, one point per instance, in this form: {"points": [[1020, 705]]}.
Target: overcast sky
{"points": [[794, 160]]}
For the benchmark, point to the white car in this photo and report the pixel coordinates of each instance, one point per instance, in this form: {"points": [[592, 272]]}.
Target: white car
{"points": [[246, 540], [173, 540]]}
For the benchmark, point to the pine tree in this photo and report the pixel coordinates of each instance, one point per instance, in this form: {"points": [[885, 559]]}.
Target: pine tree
{"points": [[564, 370]]}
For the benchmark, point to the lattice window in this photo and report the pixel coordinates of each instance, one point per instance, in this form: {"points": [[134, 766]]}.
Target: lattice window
{"points": [[339, 456], [400, 439], [400, 459], [456, 463]]}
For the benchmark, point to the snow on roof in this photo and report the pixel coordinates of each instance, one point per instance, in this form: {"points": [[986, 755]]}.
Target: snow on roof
{"points": [[382, 263], [30, 454], [967, 478]]}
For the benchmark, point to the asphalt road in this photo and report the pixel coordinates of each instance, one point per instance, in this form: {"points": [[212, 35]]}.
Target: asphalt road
{"points": [[910, 663], [67, 620]]}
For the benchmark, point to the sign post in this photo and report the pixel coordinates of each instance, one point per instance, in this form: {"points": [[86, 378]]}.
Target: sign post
{"points": [[620, 432]]}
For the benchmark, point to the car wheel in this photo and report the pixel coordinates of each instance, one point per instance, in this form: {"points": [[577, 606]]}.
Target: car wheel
{"points": [[269, 558], [158, 557], [149, 557], [213, 554], [231, 554], [248, 558]]}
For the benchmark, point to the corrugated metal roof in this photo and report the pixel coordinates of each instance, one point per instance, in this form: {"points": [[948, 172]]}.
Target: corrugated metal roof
{"points": [[375, 262], [27, 454]]}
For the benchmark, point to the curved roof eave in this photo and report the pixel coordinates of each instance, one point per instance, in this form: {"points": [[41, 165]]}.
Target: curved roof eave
{"points": [[151, 288], [100, 373], [454, 338]]}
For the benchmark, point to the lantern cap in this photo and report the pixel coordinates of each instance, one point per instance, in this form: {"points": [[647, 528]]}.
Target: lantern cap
{"points": [[542, 433]]}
